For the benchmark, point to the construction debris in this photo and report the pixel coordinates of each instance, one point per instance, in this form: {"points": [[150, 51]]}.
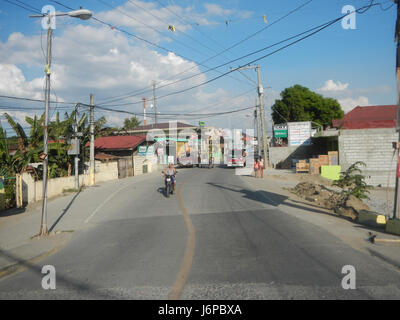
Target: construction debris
{"points": [[342, 204]]}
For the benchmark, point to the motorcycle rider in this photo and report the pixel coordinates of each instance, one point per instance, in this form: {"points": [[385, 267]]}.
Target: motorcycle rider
{"points": [[171, 171]]}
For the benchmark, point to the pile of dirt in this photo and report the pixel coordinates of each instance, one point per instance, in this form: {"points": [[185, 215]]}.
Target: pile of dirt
{"points": [[340, 203]]}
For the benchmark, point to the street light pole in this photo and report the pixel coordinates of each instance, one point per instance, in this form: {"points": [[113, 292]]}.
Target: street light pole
{"points": [[76, 143], [92, 162], [83, 14], [43, 225]]}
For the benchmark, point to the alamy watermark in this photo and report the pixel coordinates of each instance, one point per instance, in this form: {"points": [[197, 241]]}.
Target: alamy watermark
{"points": [[349, 280], [349, 21], [49, 20], [189, 147], [49, 280]]}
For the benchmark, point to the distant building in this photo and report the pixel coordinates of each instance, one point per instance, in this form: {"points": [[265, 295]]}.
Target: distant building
{"points": [[176, 140], [366, 134], [120, 146]]}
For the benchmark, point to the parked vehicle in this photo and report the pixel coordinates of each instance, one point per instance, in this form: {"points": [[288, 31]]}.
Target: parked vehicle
{"points": [[185, 160], [236, 158]]}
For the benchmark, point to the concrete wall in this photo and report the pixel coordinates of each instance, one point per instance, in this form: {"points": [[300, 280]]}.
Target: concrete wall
{"points": [[139, 161], [281, 157], [33, 190], [374, 147]]}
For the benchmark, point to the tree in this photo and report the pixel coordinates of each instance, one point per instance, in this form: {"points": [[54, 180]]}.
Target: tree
{"points": [[299, 103], [131, 123]]}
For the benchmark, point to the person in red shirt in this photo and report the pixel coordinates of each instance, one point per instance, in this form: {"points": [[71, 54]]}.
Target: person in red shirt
{"points": [[256, 168], [261, 166]]}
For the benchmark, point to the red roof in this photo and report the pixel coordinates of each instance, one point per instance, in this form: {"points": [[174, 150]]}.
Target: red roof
{"points": [[105, 156], [118, 142], [368, 117]]}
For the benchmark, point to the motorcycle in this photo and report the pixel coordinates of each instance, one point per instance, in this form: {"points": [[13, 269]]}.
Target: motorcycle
{"points": [[169, 185]]}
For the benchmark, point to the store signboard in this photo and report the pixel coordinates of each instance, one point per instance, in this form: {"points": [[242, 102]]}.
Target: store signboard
{"points": [[142, 150], [280, 131], [299, 133]]}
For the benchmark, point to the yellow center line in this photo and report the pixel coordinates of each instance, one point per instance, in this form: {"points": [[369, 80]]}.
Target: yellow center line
{"points": [[187, 261]]}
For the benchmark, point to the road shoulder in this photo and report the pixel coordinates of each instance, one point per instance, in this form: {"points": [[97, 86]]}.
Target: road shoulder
{"points": [[274, 190]]}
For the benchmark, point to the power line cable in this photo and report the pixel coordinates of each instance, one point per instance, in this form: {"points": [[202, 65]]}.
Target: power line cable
{"points": [[236, 44], [154, 29], [219, 66], [33, 100], [23, 7], [319, 29]]}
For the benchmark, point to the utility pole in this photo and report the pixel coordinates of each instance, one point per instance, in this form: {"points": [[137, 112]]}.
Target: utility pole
{"points": [[260, 91], [262, 116], [76, 142], [144, 111], [257, 128], [397, 39], [154, 102], [43, 225], [91, 169]]}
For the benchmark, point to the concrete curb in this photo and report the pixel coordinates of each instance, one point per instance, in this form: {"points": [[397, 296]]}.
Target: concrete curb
{"points": [[387, 259], [23, 265]]}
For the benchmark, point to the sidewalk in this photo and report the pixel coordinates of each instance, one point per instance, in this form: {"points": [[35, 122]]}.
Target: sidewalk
{"points": [[65, 215], [274, 189]]}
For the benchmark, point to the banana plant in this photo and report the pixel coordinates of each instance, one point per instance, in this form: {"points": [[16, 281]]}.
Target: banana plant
{"points": [[22, 138]]}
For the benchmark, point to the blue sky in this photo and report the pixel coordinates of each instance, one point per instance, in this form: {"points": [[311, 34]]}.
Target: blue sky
{"points": [[354, 66]]}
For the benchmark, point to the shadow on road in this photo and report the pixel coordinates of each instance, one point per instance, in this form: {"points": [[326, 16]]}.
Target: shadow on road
{"points": [[73, 284], [271, 198], [162, 191], [12, 212], [65, 210]]}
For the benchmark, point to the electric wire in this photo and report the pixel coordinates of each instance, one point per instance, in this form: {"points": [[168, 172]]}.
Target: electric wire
{"points": [[234, 45], [319, 29]]}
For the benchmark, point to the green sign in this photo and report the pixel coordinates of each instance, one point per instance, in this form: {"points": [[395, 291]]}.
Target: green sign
{"points": [[280, 133], [142, 150], [201, 123]]}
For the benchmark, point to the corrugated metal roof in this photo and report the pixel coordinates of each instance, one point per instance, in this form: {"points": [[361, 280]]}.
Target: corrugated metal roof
{"points": [[368, 117], [117, 142]]}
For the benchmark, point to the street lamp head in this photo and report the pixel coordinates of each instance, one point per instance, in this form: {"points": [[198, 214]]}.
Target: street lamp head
{"points": [[83, 14]]}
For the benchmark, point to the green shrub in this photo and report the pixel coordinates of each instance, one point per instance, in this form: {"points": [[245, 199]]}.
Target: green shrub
{"points": [[352, 181]]}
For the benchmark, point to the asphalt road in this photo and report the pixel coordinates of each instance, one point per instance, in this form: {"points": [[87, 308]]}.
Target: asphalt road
{"points": [[215, 239]]}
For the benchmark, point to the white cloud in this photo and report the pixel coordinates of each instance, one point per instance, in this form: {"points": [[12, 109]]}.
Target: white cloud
{"points": [[332, 86], [13, 83], [93, 58], [349, 104], [216, 10], [349, 98]]}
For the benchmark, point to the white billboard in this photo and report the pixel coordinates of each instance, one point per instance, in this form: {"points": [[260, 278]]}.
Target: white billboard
{"points": [[299, 133]]}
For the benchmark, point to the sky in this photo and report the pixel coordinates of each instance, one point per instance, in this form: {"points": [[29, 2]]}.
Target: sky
{"points": [[119, 58]]}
